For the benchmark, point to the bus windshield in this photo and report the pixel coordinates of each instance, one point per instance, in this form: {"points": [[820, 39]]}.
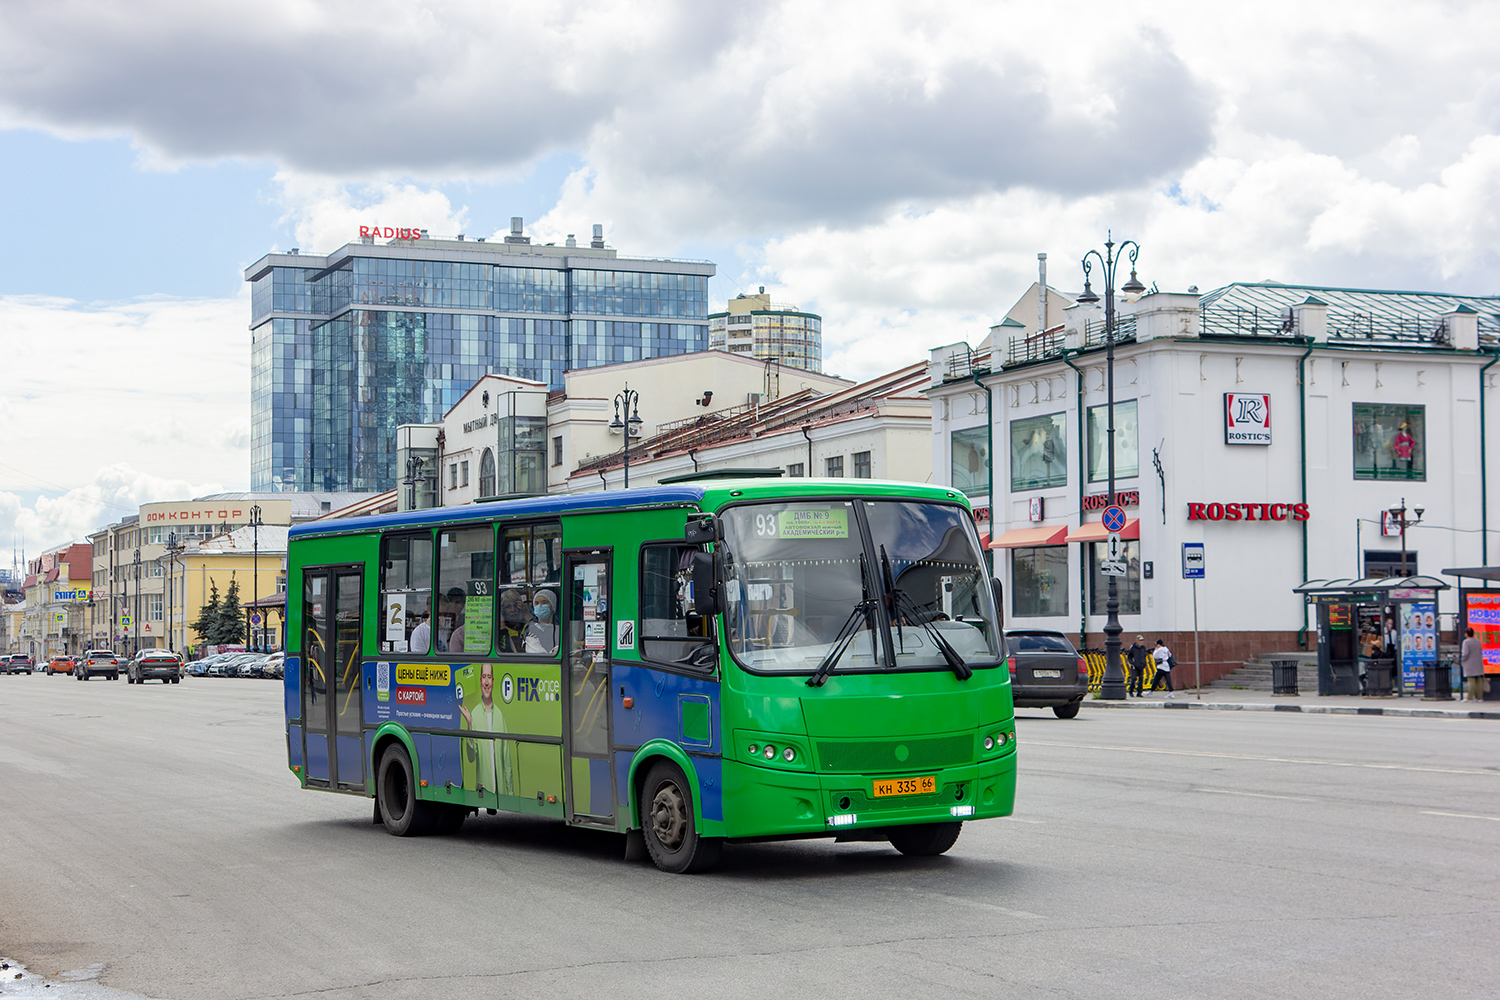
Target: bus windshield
{"points": [[904, 579]]}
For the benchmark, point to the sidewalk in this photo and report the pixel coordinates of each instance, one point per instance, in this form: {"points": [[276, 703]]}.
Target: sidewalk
{"points": [[1230, 700]]}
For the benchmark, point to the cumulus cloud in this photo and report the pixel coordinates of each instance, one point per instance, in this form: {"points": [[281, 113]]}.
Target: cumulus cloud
{"points": [[114, 492], [158, 385], [326, 212]]}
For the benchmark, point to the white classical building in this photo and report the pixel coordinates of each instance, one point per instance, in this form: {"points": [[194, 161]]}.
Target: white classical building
{"points": [[1274, 424]]}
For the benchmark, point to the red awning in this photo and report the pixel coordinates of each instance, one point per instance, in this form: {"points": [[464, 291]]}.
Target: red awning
{"points": [[1018, 538], [984, 539], [1094, 532]]}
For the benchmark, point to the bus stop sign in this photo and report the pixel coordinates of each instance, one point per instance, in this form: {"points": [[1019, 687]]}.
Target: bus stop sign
{"points": [[1113, 518], [1192, 561]]}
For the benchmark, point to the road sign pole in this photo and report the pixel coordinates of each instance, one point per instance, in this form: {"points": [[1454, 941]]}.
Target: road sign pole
{"points": [[1197, 656]]}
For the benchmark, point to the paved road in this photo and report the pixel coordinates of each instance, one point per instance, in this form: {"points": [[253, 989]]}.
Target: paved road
{"points": [[155, 830]]}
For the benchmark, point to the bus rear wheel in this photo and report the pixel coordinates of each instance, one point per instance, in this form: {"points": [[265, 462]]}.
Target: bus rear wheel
{"points": [[924, 841], [669, 828], [403, 814]]}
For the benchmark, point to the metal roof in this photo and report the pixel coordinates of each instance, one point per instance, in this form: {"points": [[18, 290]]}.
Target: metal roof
{"points": [[1371, 584], [1262, 308]]}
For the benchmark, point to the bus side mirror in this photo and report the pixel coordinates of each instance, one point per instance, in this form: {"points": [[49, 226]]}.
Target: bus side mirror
{"points": [[705, 587], [701, 529], [999, 592]]}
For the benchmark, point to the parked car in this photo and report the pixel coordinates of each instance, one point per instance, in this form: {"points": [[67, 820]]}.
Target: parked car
{"points": [[275, 666], [19, 663], [98, 661], [199, 667], [1046, 671], [154, 664], [62, 665]]}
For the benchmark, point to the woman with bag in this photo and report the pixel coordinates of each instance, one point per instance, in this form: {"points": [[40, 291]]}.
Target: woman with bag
{"points": [[1164, 663]]}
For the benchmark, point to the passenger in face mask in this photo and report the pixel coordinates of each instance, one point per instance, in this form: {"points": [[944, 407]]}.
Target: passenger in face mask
{"points": [[512, 632], [541, 634]]}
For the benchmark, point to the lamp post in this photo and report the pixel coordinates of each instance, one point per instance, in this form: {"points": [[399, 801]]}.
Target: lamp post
{"points": [[1398, 514], [255, 524], [631, 400], [173, 547], [414, 465], [1112, 688], [135, 615]]}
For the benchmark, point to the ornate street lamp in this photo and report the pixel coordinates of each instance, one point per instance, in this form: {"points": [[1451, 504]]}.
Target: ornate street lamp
{"points": [[632, 422], [1398, 514], [173, 548], [255, 526], [1112, 688]]}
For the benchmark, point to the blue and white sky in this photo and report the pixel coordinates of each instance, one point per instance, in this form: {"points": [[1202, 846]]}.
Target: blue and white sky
{"points": [[895, 167]]}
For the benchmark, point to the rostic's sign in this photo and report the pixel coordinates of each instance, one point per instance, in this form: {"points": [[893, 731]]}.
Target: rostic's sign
{"points": [[1247, 512], [1099, 501], [1247, 418]]}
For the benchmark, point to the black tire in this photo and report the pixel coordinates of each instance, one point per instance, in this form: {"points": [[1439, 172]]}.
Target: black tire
{"points": [[671, 832], [403, 813], [924, 841], [115, 676], [1067, 711]]}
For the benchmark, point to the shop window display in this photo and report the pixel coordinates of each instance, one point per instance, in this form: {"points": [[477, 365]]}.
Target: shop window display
{"points": [[1039, 452], [1039, 581], [1127, 451], [1390, 442]]}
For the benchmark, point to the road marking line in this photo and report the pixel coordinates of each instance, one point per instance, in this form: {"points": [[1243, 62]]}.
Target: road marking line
{"points": [[1273, 760], [1433, 812], [1254, 795]]}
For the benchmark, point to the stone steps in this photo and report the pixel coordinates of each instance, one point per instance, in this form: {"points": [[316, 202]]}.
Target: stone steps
{"points": [[1256, 674]]}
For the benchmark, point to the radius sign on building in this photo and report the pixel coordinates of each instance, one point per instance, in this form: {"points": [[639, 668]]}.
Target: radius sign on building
{"points": [[1247, 418]]}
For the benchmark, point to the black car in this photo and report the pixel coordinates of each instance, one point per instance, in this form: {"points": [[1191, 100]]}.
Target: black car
{"points": [[1046, 671], [18, 663]]}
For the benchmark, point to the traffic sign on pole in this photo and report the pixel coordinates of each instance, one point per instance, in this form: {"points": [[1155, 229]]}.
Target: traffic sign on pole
{"points": [[1113, 518], [1193, 566], [1114, 549], [1112, 568]]}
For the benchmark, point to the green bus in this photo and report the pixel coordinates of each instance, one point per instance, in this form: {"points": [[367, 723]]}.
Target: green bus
{"points": [[689, 664]]}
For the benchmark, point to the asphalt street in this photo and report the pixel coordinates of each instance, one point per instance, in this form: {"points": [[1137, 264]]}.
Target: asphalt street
{"points": [[152, 836]]}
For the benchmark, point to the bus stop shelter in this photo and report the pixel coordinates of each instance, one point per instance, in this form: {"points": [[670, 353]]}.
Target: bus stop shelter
{"points": [[1376, 635], [1479, 609]]}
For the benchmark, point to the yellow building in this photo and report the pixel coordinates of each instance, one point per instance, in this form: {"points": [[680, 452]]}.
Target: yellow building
{"points": [[753, 326]]}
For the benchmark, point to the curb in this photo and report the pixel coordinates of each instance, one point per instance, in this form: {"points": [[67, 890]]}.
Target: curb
{"points": [[1220, 706]]}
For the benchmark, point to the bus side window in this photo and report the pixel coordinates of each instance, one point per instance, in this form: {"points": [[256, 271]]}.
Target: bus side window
{"points": [[406, 594], [530, 578], [672, 630], [466, 590]]}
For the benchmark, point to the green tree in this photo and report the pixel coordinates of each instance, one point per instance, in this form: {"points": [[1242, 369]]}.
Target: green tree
{"points": [[207, 622], [231, 616]]}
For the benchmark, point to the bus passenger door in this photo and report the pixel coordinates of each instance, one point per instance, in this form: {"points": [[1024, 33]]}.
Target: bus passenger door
{"points": [[587, 768], [332, 709]]}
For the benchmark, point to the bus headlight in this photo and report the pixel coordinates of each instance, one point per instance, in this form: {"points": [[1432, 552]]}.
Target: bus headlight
{"points": [[770, 752], [989, 742], [789, 755]]}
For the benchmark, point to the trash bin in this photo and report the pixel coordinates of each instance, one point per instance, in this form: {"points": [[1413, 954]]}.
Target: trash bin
{"points": [[1437, 683], [1380, 677], [1284, 677]]}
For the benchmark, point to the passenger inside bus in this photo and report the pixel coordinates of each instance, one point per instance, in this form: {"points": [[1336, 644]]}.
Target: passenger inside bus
{"points": [[541, 634]]}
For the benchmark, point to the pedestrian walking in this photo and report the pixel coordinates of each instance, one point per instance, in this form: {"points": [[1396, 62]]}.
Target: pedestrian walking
{"points": [[1164, 663], [1136, 657], [1471, 658]]}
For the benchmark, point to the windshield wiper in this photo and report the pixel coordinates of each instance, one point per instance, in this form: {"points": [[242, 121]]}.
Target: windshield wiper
{"points": [[902, 606], [861, 612]]}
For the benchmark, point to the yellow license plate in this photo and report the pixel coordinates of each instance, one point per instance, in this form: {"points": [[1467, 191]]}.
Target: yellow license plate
{"points": [[925, 785]]}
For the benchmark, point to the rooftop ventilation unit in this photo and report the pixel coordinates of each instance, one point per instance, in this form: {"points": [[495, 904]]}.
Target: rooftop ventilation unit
{"points": [[598, 241], [517, 224]]}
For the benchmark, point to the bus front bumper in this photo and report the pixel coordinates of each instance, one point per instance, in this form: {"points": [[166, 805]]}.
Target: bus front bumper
{"points": [[776, 802]]}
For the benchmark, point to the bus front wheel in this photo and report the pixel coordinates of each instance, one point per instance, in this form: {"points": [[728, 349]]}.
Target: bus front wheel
{"points": [[925, 841], [670, 831]]}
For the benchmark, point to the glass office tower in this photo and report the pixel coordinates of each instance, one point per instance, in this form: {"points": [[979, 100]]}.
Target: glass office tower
{"points": [[349, 346]]}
